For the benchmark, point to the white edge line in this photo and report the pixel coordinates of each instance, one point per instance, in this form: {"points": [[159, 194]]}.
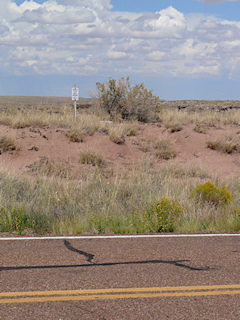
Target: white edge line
{"points": [[123, 236]]}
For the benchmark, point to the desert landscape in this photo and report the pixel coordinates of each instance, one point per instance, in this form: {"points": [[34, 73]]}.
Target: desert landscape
{"points": [[82, 173]]}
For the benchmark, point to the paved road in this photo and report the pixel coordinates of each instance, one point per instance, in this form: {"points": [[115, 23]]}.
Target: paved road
{"points": [[113, 279]]}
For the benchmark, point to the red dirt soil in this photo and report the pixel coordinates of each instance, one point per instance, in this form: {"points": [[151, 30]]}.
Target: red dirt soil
{"points": [[52, 143]]}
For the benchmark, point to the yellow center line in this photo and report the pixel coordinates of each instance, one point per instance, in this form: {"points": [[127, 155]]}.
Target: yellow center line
{"points": [[117, 290], [120, 296], [100, 294]]}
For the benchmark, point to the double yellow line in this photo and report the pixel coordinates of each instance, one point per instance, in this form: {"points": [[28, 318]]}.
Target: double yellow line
{"points": [[112, 294]]}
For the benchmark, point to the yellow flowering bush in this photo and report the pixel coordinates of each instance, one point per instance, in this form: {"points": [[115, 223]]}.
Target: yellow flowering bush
{"points": [[161, 215], [208, 192], [157, 217]]}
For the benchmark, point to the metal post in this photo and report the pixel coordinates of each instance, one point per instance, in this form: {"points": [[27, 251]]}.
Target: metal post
{"points": [[75, 92], [75, 110]]}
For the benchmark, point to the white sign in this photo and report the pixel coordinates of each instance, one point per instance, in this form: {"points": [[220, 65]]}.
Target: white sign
{"points": [[75, 92]]}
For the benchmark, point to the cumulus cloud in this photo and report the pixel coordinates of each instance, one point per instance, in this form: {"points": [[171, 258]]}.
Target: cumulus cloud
{"points": [[87, 37]]}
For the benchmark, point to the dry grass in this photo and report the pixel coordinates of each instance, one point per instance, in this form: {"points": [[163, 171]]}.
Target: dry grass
{"points": [[144, 145], [8, 143], [174, 126], [200, 127], [75, 134], [165, 149], [99, 205], [91, 157], [227, 144], [48, 168], [119, 131], [101, 202]]}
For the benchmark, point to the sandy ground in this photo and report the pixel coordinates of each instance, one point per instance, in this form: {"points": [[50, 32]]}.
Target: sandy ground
{"points": [[53, 144]]}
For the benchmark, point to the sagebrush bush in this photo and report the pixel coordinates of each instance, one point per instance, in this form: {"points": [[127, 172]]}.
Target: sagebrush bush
{"points": [[119, 98], [208, 192]]}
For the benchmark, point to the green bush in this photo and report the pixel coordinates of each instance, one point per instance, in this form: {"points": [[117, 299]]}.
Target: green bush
{"points": [[119, 98], [158, 217], [208, 192]]}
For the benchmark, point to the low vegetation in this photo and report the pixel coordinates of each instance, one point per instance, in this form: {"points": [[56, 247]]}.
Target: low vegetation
{"points": [[45, 167], [91, 157], [141, 199], [228, 144], [8, 143], [165, 149]]}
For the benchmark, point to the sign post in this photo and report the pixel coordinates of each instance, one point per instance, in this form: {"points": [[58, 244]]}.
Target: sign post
{"points": [[75, 92]]}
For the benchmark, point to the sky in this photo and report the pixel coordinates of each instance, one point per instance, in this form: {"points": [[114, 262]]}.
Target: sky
{"points": [[180, 49]]}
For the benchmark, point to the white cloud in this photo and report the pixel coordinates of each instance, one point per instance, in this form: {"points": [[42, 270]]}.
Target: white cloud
{"points": [[86, 37]]}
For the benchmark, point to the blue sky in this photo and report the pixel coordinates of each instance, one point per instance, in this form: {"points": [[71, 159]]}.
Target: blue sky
{"points": [[181, 49]]}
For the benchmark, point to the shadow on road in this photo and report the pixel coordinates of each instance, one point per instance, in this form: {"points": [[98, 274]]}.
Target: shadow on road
{"points": [[177, 263], [90, 257]]}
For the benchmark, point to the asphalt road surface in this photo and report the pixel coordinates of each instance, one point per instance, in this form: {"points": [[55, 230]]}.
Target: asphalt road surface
{"points": [[118, 279]]}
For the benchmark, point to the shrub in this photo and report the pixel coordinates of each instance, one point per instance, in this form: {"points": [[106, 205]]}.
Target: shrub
{"points": [[160, 216], [208, 192], [165, 149], [118, 97]]}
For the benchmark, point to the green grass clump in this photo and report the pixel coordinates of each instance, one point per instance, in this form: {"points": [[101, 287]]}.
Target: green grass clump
{"points": [[210, 193]]}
